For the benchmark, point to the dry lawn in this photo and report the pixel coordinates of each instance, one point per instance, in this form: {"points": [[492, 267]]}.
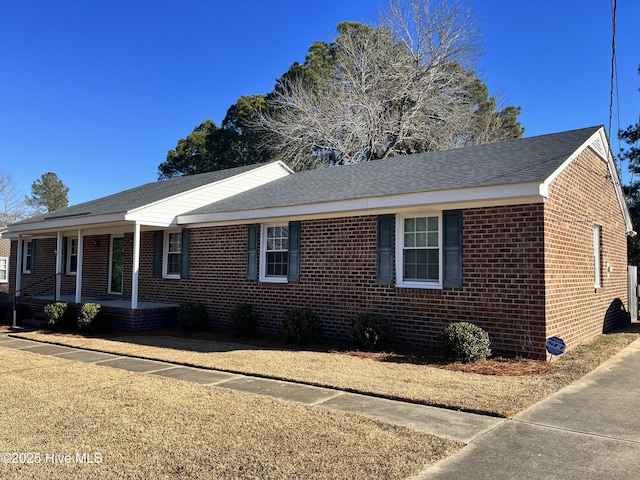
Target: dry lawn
{"points": [[502, 395], [140, 426]]}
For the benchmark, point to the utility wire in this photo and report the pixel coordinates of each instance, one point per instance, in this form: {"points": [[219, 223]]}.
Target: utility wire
{"points": [[613, 61]]}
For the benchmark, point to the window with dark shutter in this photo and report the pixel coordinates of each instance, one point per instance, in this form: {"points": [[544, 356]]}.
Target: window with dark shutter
{"points": [[294, 252], [157, 253], [452, 248], [252, 252], [385, 249], [184, 254]]}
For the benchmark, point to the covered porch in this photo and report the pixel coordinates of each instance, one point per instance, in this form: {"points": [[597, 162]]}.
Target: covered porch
{"points": [[118, 311]]}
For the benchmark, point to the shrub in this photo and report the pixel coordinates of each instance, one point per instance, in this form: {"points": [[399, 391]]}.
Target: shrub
{"points": [[243, 320], [193, 316], [60, 316], [6, 315], [301, 326], [465, 341], [372, 331], [91, 318]]}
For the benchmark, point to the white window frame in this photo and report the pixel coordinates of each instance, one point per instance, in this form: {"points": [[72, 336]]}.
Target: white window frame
{"points": [[166, 253], [400, 281], [71, 254], [263, 254], [597, 255], [5, 261], [27, 252]]}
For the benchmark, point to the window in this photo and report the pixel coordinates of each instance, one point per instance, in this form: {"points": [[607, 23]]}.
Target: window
{"points": [[419, 251], [72, 256], [173, 256], [274, 264], [27, 254], [4, 269], [597, 255]]}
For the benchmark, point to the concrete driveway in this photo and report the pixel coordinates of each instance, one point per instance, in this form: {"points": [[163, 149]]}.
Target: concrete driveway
{"points": [[588, 430]]}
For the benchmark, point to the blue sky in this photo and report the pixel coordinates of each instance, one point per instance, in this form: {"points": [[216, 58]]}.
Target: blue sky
{"points": [[99, 91]]}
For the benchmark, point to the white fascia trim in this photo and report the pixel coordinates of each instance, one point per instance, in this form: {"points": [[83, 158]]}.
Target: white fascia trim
{"points": [[573, 156], [460, 198], [131, 214], [54, 225], [601, 136]]}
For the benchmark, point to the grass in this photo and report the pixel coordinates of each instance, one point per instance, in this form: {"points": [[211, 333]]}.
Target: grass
{"points": [[143, 426], [501, 395]]}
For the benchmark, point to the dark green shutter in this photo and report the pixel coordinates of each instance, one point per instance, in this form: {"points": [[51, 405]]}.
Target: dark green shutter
{"points": [[64, 254], [294, 252], [33, 256], [386, 248], [158, 238], [452, 248], [184, 253], [252, 252]]}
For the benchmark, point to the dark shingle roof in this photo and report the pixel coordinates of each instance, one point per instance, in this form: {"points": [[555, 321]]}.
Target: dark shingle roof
{"points": [[524, 160], [140, 196]]}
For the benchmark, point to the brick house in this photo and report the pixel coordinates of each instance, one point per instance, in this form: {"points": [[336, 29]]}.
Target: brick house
{"points": [[525, 238]]}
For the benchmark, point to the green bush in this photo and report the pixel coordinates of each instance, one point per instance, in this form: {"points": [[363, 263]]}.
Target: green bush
{"points": [[465, 341], [193, 316], [372, 331], [301, 326], [243, 320], [60, 316], [91, 318]]}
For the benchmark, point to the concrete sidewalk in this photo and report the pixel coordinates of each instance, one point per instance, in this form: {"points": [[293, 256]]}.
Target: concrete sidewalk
{"points": [[460, 426], [588, 430]]}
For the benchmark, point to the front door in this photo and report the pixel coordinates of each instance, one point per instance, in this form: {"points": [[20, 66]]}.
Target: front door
{"points": [[115, 267]]}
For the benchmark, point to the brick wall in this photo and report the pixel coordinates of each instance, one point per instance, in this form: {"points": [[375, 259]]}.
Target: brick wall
{"points": [[581, 196], [510, 254], [503, 288]]}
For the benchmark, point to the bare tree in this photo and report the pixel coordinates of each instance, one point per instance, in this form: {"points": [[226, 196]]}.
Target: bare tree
{"points": [[401, 87], [12, 205]]}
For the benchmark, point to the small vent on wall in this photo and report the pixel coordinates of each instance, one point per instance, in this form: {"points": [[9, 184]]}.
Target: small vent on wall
{"points": [[599, 147]]}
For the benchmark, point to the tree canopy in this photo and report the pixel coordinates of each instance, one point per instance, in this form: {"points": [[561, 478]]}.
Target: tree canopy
{"points": [[403, 86], [12, 205], [48, 193]]}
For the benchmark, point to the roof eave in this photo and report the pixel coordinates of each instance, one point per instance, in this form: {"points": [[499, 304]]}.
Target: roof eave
{"points": [[533, 192], [60, 224]]}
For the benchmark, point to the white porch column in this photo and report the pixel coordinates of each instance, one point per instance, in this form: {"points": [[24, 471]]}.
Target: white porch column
{"points": [[58, 266], [79, 269], [136, 266], [19, 266]]}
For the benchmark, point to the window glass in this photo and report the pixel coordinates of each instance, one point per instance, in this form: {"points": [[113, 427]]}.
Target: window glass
{"points": [[28, 256], [421, 249], [4, 269], [174, 251], [73, 255], [277, 251]]}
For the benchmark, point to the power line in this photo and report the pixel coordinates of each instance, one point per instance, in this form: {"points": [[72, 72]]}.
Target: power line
{"points": [[613, 60]]}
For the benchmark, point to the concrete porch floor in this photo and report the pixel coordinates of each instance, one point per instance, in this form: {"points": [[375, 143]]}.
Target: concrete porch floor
{"points": [[107, 301]]}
